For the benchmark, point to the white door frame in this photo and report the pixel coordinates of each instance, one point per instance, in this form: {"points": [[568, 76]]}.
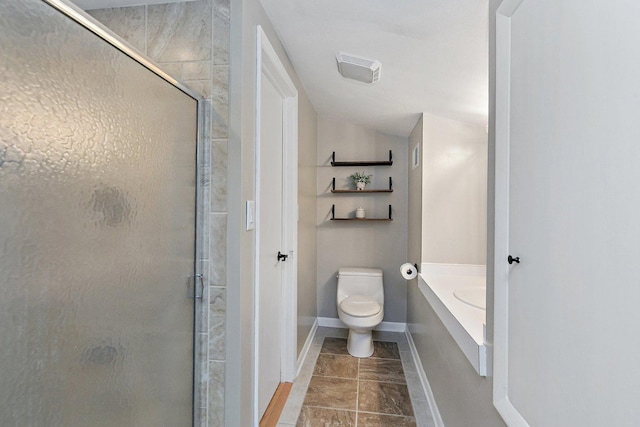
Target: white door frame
{"points": [[501, 400], [269, 64]]}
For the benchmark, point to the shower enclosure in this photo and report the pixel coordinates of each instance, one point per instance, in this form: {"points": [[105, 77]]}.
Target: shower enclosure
{"points": [[98, 281]]}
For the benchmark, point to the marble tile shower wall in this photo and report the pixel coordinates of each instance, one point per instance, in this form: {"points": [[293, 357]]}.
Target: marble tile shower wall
{"points": [[190, 40]]}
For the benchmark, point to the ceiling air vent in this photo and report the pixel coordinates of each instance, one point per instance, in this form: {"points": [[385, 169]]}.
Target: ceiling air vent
{"points": [[358, 68]]}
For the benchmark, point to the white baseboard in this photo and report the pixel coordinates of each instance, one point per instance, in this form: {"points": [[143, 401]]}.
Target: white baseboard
{"points": [[437, 418], [307, 345], [332, 322]]}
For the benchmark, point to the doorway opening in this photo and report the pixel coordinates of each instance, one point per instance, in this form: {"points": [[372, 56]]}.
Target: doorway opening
{"points": [[276, 226]]}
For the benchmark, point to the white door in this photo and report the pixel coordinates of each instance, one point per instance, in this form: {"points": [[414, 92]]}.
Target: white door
{"points": [[270, 244], [568, 205]]}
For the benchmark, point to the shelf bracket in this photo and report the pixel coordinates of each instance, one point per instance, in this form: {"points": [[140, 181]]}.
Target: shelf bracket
{"points": [[390, 218], [333, 211], [333, 157], [333, 184], [390, 184], [390, 156]]}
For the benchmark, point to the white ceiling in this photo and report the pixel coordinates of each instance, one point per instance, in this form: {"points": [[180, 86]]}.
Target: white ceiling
{"points": [[434, 56]]}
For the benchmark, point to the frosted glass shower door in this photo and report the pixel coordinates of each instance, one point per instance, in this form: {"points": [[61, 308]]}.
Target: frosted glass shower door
{"points": [[97, 230]]}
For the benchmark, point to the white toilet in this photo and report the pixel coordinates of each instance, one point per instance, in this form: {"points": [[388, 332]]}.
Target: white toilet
{"points": [[360, 299]]}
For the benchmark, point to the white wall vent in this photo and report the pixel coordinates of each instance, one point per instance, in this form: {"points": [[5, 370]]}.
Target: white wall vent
{"points": [[358, 68]]}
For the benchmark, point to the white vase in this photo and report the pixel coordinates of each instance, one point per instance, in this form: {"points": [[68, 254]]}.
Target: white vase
{"points": [[360, 185]]}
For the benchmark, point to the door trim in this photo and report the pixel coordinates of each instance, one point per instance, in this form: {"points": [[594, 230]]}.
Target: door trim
{"points": [[268, 62], [501, 400]]}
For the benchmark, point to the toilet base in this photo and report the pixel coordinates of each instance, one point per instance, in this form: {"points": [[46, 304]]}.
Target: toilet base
{"points": [[360, 344]]}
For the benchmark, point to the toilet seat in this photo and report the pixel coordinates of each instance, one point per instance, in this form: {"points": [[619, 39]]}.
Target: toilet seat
{"points": [[360, 306]]}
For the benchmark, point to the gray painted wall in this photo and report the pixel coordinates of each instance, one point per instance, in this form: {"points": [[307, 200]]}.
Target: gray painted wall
{"points": [[307, 242], [463, 397], [246, 15], [371, 244], [454, 180], [414, 237]]}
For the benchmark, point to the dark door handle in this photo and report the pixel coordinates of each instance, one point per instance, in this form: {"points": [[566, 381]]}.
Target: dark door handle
{"points": [[511, 260], [282, 257]]}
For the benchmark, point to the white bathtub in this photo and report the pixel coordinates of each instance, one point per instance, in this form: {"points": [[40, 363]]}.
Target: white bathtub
{"points": [[464, 320]]}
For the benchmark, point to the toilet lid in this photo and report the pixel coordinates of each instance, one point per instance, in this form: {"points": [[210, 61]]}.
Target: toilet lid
{"points": [[360, 306]]}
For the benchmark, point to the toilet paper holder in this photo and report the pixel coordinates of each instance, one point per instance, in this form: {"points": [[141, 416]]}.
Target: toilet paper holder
{"points": [[409, 270]]}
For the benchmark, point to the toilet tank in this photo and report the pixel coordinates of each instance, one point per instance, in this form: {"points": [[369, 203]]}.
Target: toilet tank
{"points": [[360, 281]]}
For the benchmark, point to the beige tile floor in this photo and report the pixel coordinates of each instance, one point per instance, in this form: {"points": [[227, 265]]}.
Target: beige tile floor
{"points": [[336, 389]]}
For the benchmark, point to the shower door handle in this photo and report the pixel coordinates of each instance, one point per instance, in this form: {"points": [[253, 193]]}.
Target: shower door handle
{"points": [[511, 260], [198, 278]]}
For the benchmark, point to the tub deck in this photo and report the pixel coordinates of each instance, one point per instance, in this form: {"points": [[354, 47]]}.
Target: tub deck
{"points": [[465, 323]]}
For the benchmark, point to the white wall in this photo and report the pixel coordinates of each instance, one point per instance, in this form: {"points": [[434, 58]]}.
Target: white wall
{"points": [[454, 185], [364, 244]]}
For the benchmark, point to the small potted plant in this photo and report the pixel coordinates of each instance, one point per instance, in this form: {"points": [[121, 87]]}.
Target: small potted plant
{"points": [[360, 179]]}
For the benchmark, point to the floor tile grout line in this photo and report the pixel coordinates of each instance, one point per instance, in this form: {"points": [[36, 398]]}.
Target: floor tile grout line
{"points": [[338, 378], [384, 413], [339, 355], [384, 381], [330, 407]]}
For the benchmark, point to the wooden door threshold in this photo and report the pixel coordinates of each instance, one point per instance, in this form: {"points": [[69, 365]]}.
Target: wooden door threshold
{"points": [[276, 405]]}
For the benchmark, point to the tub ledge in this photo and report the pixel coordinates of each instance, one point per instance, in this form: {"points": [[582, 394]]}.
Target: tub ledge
{"points": [[465, 323]]}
